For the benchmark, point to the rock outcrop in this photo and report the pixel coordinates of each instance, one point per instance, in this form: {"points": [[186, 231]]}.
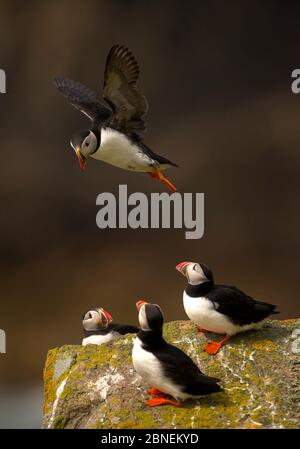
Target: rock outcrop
{"points": [[97, 387]]}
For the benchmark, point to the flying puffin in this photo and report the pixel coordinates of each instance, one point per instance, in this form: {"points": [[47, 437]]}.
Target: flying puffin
{"points": [[115, 132], [168, 370], [98, 327], [222, 309]]}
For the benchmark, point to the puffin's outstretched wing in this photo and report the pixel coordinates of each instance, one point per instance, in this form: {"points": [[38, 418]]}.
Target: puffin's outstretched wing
{"points": [[84, 99], [120, 91]]}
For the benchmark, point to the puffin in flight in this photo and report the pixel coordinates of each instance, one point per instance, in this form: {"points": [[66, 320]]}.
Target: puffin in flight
{"points": [[115, 132], [98, 327], [167, 369], [222, 309]]}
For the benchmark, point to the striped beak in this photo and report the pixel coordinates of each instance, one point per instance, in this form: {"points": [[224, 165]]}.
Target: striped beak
{"points": [[181, 267], [81, 159], [107, 316], [139, 304]]}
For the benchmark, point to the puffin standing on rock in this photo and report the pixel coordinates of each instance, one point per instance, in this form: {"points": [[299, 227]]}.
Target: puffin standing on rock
{"points": [[168, 370], [114, 135], [98, 327], [222, 309]]}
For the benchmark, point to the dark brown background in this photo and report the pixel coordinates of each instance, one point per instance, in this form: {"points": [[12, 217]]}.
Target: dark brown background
{"points": [[217, 76]]}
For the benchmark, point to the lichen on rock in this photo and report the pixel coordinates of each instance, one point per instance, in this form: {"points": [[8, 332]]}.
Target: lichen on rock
{"points": [[96, 386]]}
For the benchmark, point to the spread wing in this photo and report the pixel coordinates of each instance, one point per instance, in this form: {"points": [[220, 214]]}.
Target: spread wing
{"points": [[84, 99], [120, 91]]}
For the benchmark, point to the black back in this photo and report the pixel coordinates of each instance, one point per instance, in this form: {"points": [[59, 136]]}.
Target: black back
{"points": [[232, 302], [122, 329], [178, 366]]}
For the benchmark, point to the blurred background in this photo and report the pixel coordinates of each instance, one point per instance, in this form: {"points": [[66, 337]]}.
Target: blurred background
{"points": [[217, 76]]}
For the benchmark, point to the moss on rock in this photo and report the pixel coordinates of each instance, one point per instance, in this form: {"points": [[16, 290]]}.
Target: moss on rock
{"points": [[97, 387]]}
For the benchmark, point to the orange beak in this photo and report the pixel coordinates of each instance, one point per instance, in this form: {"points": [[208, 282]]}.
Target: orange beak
{"points": [[140, 303], [81, 159], [107, 315], [181, 267]]}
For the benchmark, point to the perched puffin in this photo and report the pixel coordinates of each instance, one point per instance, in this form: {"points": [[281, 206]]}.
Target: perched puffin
{"points": [[98, 327], [115, 133], [222, 309], [168, 370]]}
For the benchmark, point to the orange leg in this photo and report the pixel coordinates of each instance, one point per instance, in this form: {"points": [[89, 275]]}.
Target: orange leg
{"points": [[162, 401], [156, 392], [202, 330], [158, 175], [213, 347]]}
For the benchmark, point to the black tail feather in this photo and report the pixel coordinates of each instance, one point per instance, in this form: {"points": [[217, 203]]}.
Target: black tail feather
{"points": [[202, 389]]}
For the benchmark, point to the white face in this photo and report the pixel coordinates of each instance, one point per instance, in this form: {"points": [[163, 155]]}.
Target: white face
{"points": [[89, 145], [194, 273], [144, 325], [154, 315], [91, 320], [94, 320]]}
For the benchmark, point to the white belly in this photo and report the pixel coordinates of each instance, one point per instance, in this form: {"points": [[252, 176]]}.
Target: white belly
{"points": [[149, 368], [202, 312], [116, 149], [99, 339]]}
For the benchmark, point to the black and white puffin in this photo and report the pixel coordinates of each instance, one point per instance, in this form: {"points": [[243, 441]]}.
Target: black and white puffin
{"points": [[167, 369], [98, 327], [114, 135], [222, 309]]}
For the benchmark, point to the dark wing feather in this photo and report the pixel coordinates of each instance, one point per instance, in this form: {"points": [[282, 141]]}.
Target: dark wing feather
{"points": [[124, 329], [179, 367], [121, 93], [84, 99], [120, 328], [239, 307], [155, 156]]}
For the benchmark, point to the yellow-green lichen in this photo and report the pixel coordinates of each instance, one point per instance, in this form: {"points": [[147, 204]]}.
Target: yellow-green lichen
{"points": [[257, 371], [266, 345]]}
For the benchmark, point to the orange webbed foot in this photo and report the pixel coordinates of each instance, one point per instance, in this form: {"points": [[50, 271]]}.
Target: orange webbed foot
{"points": [[156, 392], [155, 402], [213, 347], [158, 175]]}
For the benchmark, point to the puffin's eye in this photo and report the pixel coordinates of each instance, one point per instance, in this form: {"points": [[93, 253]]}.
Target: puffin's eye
{"points": [[194, 267], [86, 144], [90, 315]]}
